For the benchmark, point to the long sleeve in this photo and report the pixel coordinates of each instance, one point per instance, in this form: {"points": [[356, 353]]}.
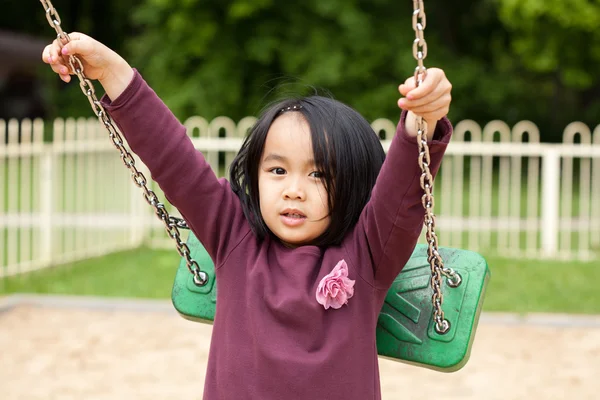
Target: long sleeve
{"points": [[211, 209], [392, 220]]}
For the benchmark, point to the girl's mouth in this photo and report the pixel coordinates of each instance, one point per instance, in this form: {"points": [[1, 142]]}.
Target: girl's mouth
{"points": [[294, 215], [292, 218]]}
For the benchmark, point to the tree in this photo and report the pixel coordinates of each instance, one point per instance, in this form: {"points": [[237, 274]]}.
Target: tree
{"points": [[229, 57], [559, 42], [507, 59]]}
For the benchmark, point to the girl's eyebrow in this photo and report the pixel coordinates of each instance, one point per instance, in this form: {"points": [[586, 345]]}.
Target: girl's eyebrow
{"points": [[280, 158], [274, 157]]}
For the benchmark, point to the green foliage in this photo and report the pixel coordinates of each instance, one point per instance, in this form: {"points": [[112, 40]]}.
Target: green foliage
{"points": [[559, 41], [230, 57], [507, 59]]}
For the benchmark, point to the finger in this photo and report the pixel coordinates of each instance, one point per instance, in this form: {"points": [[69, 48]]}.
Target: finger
{"points": [[55, 62], [440, 91], [52, 56], [407, 86], [433, 78], [441, 102], [78, 46], [46, 55], [55, 51], [60, 69], [434, 115], [49, 56]]}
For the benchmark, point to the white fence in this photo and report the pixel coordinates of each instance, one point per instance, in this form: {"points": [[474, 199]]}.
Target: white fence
{"points": [[498, 192]]}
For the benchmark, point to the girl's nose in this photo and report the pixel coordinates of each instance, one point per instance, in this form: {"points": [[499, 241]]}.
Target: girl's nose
{"points": [[294, 191]]}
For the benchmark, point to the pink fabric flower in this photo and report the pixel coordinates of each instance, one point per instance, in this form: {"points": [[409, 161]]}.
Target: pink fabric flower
{"points": [[335, 288]]}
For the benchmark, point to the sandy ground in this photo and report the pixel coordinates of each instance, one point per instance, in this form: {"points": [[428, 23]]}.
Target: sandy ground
{"points": [[81, 352]]}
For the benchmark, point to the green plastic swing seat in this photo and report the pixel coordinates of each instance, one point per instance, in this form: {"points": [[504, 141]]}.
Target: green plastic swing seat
{"points": [[406, 329]]}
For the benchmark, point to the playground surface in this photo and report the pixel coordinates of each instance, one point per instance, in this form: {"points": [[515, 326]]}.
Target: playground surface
{"points": [[96, 349]]}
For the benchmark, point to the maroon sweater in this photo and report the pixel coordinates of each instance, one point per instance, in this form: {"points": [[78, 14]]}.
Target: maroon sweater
{"points": [[271, 339]]}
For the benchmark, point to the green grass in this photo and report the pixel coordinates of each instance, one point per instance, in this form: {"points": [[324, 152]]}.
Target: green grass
{"points": [[519, 286], [523, 286], [138, 273]]}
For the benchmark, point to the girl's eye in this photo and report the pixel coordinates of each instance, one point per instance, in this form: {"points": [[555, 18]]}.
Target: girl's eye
{"points": [[316, 174], [277, 171]]}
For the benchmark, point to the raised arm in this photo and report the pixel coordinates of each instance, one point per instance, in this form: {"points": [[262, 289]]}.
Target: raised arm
{"points": [[209, 206], [392, 220]]}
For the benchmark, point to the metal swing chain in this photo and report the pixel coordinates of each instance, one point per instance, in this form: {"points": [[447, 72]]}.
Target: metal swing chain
{"points": [[171, 223], [436, 263]]}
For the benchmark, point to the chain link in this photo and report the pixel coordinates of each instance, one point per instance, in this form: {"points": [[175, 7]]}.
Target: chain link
{"points": [[433, 256], [171, 223]]}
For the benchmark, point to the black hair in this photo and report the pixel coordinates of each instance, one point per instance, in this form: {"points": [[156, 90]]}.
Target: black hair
{"points": [[345, 149]]}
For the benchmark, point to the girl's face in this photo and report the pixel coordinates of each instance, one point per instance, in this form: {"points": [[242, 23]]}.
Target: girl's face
{"points": [[293, 200]]}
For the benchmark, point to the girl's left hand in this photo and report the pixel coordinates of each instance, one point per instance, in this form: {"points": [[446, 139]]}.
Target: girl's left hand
{"points": [[431, 100]]}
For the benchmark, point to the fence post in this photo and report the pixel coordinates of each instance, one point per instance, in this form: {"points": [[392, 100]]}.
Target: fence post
{"points": [[550, 201], [46, 203]]}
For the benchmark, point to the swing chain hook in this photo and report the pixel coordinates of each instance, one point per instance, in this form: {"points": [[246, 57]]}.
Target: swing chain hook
{"points": [[171, 223], [442, 325]]}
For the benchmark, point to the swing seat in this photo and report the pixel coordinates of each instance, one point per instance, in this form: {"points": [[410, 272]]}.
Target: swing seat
{"points": [[405, 329]]}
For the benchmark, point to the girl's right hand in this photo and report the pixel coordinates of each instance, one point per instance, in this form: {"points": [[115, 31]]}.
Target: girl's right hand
{"points": [[99, 62]]}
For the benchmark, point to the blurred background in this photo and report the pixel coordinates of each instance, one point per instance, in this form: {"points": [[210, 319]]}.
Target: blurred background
{"points": [[508, 60], [520, 183]]}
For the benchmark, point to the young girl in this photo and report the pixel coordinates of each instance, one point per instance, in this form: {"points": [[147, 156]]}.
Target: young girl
{"points": [[307, 236]]}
